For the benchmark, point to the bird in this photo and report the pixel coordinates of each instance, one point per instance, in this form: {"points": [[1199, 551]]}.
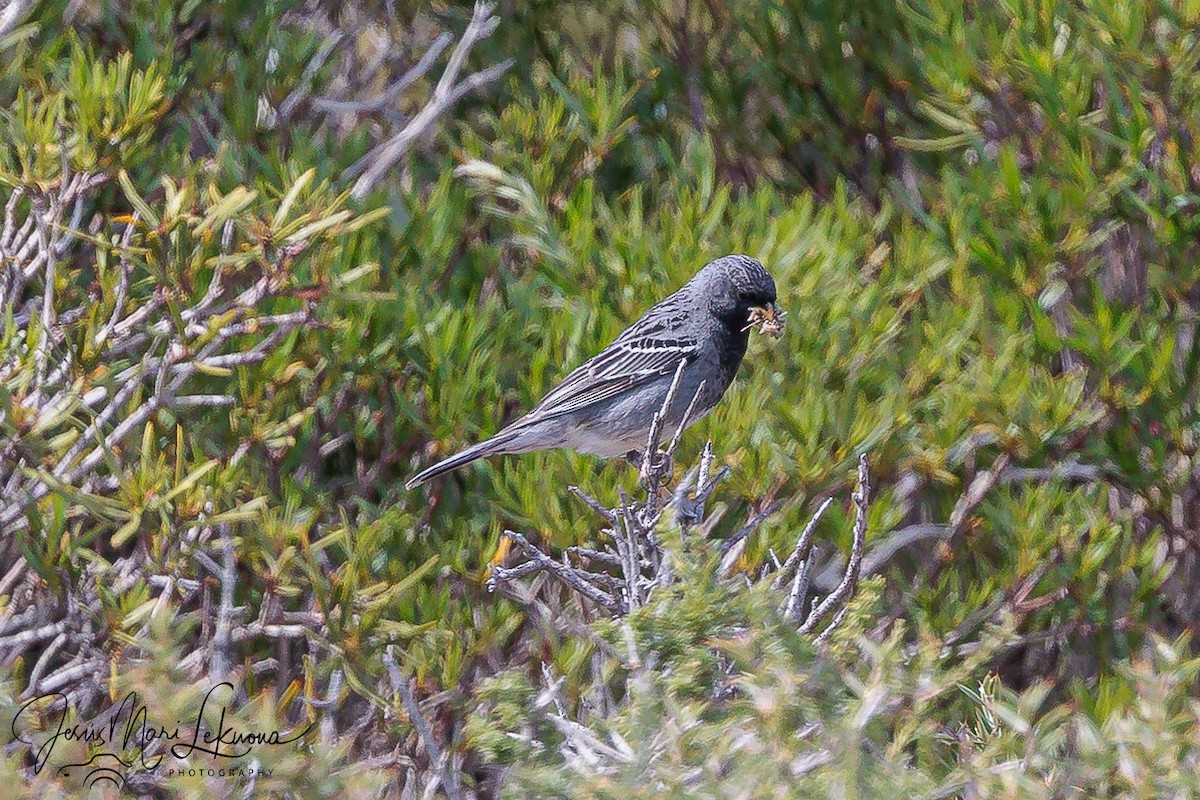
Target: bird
{"points": [[605, 406]]}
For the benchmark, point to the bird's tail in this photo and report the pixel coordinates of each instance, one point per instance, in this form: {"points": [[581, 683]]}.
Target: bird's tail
{"points": [[487, 447]]}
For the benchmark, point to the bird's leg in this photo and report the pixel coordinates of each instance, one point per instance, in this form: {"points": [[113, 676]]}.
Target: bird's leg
{"points": [[664, 465], [652, 470], [643, 465]]}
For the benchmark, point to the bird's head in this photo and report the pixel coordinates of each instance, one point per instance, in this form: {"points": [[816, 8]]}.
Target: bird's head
{"points": [[741, 293]]}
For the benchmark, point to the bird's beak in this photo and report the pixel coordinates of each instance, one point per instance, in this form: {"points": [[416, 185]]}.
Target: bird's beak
{"points": [[768, 319]]}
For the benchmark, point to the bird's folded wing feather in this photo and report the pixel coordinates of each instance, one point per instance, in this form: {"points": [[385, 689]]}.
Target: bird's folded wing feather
{"points": [[640, 354]]}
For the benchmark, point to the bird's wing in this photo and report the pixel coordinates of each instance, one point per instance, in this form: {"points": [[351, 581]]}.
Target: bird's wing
{"points": [[650, 348]]}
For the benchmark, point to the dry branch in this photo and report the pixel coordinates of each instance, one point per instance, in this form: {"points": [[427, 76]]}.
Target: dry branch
{"points": [[621, 573], [448, 91], [838, 598]]}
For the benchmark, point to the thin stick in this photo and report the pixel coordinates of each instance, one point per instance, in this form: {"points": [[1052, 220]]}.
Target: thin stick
{"points": [[656, 421], [424, 731], [751, 525], [850, 577], [393, 91], [802, 544], [380, 161], [801, 585], [594, 504], [218, 664], [687, 418], [567, 575]]}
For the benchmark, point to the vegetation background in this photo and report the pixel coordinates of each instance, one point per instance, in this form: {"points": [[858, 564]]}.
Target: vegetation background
{"points": [[984, 220]]}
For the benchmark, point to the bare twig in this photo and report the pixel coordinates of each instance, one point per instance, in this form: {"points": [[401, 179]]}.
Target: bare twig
{"points": [[751, 525], [14, 574], [979, 488], [800, 560], [437, 760], [393, 91], [373, 166], [846, 588], [297, 95], [1078, 473], [562, 572], [28, 637], [652, 468], [12, 15], [800, 551], [39, 669], [882, 553], [218, 660], [593, 504], [686, 419], [127, 330]]}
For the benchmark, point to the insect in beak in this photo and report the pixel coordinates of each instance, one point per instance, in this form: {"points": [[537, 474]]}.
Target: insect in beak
{"points": [[769, 319]]}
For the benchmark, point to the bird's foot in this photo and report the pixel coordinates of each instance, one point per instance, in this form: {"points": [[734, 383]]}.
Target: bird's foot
{"points": [[652, 471]]}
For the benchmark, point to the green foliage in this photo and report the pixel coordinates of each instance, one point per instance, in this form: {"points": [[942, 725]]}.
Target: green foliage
{"points": [[776, 717]]}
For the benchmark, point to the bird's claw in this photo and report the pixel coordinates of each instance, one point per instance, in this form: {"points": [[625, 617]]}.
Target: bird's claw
{"points": [[646, 473], [652, 471]]}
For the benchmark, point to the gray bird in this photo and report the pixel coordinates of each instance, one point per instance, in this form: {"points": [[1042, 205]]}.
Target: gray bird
{"points": [[605, 406]]}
